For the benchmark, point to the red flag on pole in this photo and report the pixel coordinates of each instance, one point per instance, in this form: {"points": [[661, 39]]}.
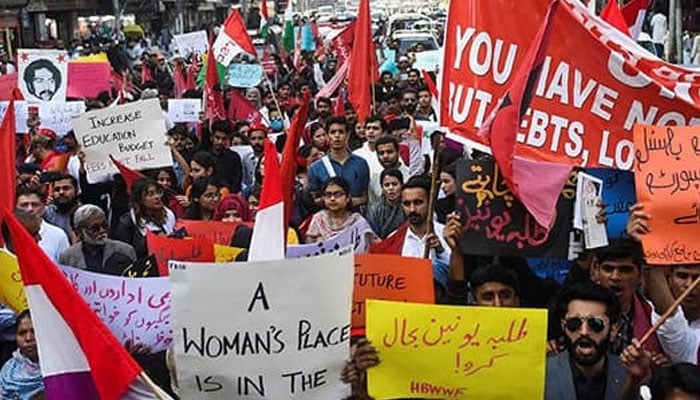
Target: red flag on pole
{"points": [[241, 109], [289, 154], [214, 102], [523, 176], [613, 15], [363, 69], [129, 175], [8, 170], [342, 43]]}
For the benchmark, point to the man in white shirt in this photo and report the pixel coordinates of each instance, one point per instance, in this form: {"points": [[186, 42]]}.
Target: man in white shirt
{"points": [[658, 31], [53, 240], [387, 152], [375, 127]]}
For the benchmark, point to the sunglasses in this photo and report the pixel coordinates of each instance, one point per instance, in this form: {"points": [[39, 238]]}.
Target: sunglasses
{"points": [[573, 324]]}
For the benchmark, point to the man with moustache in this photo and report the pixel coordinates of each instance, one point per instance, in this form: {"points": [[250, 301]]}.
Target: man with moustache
{"points": [[589, 315], [42, 79], [65, 201], [95, 252]]}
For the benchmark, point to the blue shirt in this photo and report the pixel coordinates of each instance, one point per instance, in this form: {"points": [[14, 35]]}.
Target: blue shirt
{"points": [[355, 171]]}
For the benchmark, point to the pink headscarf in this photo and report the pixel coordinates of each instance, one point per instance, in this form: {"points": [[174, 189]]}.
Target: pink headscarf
{"points": [[233, 201]]}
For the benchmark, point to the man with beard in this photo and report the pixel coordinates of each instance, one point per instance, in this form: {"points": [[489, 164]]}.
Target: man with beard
{"points": [[42, 79], [257, 134], [589, 315], [387, 153], [65, 201], [95, 252], [409, 101], [228, 162]]}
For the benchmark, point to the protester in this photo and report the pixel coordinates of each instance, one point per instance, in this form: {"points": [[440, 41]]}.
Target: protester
{"points": [[233, 208], [64, 202], [386, 215], [20, 377], [204, 196], [53, 239], [448, 184]]}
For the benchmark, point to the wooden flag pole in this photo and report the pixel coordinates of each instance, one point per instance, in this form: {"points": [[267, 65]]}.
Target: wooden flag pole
{"points": [[152, 386], [274, 97], [434, 174], [670, 311]]}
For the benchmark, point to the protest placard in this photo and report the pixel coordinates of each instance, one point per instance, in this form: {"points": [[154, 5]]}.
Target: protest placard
{"points": [[184, 110], [166, 249], [618, 196], [219, 232], [43, 74], [192, 42], [20, 114], [477, 349], [88, 79], [354, 236], [224, 254], [246, 332], [134, 309], [587, 207], [667, 181], [495, 222], [244, 75], [133, 133], [428, 60], [58, 116], [11, 286], [8, 82], [390, 277]]}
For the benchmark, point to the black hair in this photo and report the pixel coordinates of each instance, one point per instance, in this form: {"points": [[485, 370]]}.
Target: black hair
{"points": [[450, 169], [205, 159], [619, 249], [391, 172], [409, 90], [138, 193], [336, 180], [376, 118], [221, 125], [324, 100], [42, 63], [418, 182], [24, 218], [25, 191], [494, 273], [414, 70], [681, 376], [387, 140], [25, 314], [71, 178], [199, 186], [171, 173], [588, 291], [178, 129]]}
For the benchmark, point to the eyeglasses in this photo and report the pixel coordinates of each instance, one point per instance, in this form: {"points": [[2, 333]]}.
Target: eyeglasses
{"points": [[334, 195], [154, 193], [573, 324], [96, 228]]}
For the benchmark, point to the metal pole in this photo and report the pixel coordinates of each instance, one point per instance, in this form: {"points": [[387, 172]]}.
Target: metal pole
{"points": [[678, 33], [672, 30]]}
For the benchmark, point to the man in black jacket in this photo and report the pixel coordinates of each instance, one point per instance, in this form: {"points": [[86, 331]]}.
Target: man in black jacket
{"points": [[229, 168]]}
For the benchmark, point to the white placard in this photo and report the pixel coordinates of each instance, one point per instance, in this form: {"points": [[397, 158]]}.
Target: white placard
{"points": [[589, 194], [58, 116], [43, 74], [184, 110], [192, 42], [134, 309], [21, 114], [133, 133], [262, 330], [354, 236]]}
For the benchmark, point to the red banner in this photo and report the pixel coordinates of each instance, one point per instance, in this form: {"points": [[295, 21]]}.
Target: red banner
{"points": [[596, 83]]}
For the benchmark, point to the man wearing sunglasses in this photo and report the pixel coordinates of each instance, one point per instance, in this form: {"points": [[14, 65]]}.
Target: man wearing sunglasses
{"points": [[589, 315]]}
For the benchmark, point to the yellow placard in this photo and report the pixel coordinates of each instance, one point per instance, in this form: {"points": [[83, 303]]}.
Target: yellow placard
{"points": [[223, 254], [100, 57], [11, 286], [449, 352]]}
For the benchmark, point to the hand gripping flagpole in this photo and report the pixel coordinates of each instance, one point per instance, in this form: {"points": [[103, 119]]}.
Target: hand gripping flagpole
{"points": [[434, 174], [152, 386]]}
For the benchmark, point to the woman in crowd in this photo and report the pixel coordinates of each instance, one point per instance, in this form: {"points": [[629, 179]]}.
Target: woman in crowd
{"points": [[147, 213], [386, 215], [204, 196], [337, 215], [20, 377], [233, 208], [446, 205], [318, 136], [203, 164], [172, 196]]}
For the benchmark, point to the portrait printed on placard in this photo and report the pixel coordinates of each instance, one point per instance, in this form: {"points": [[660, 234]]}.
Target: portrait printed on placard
{"points": [[43, 74]]}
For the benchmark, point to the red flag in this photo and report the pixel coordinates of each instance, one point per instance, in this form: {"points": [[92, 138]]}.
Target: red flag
{"points": [[339, 106], [634, 13], [363, 69], [241, 109], [613, 15], [146, 74], [7, 83], [289, 154], [8, 171], [214, 102], [129, 175], [180, 81], [523, 176], [393, 244], [342, 43]]}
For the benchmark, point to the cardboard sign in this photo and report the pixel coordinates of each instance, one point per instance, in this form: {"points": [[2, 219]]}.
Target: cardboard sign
{"points": [[11, 286], [43, 74], [184, 110], [59, 116], [390, 277], [263, 330], [166, 249], [225, 254], [667, 180], [477, 349], [191, 42], [21, 114], [495, 222], [134, 309], [133, 133], [219, 232], [88, 79], [585, 102], [244, 75], [354, 236], [618, 196]]}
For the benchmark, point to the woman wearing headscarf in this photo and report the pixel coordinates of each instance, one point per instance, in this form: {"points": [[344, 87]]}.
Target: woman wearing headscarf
{"points": [[386, 215], [233, 208], [20, 377]]}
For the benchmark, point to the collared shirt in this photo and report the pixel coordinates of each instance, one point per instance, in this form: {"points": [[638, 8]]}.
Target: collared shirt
{"points": [[589, 388], [53, 240], [355, 171], [679, 338], [54, 217], [414, 246]]}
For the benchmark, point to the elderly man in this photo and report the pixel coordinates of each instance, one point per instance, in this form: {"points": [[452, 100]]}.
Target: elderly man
{"points": [[95, 252]]}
